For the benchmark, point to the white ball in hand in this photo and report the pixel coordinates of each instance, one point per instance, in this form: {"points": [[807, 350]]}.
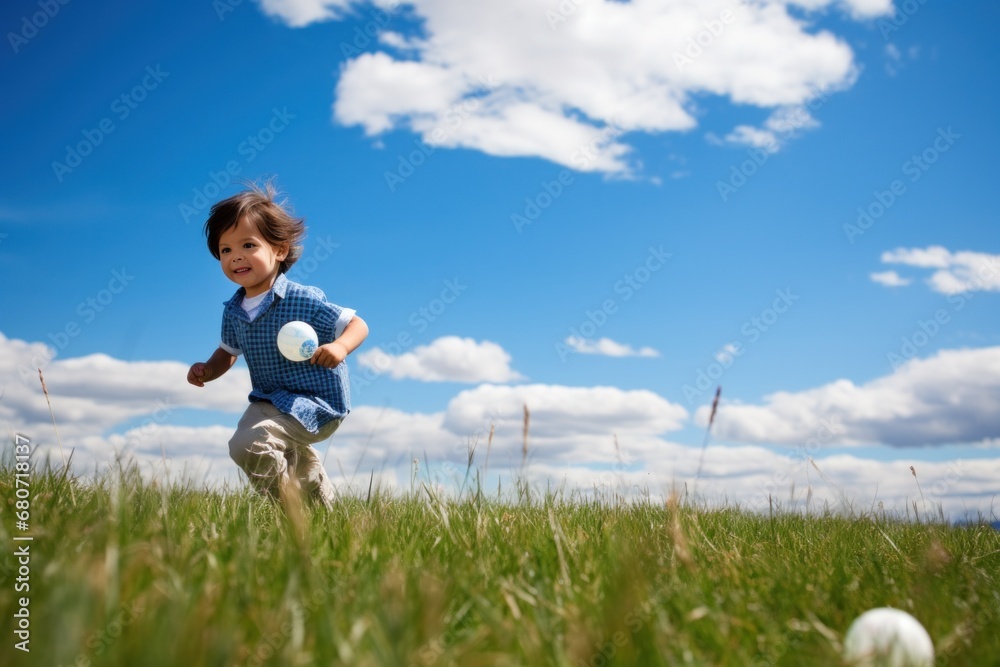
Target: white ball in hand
{"points": [[297, 341]]}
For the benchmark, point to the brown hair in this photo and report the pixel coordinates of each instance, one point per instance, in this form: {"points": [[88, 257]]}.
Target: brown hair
{"points": [[257, 204]]}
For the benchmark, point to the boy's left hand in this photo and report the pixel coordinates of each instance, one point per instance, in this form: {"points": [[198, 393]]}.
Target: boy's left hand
{"points": [[329, 355]]}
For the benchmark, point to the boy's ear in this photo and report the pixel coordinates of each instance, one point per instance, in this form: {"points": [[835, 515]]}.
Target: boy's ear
{"points": [[282, 251]]}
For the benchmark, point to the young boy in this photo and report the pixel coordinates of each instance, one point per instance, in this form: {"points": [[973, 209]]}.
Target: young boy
{"points": [[293, 404]]}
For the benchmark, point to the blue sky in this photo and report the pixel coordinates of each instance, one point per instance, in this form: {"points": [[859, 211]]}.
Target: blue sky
{"points": [[744, 164]]}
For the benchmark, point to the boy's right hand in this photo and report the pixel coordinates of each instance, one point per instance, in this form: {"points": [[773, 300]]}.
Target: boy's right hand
{"points": [[199, 374]]}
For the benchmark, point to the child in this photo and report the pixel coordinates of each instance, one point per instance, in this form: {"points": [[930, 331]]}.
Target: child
{"points": [[293, 404]]}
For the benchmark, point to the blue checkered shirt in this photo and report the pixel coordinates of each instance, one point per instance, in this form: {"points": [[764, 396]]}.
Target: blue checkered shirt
{"points": [[312, 394]]}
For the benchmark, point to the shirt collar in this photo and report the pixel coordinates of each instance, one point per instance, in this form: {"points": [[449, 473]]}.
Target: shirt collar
{"points": [[280, 285], [278, 289]]}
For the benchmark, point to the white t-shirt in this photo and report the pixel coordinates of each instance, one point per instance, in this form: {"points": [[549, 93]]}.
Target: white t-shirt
{"points": [[251, 304]]}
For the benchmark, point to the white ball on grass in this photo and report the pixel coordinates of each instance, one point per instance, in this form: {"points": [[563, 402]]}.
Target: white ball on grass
{"points": [[297, 341], [887, 637]]}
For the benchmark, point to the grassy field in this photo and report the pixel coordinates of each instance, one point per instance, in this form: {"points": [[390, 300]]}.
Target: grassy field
{"points": [[123, 572]]}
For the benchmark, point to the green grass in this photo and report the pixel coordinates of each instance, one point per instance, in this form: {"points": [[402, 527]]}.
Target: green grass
{"points": [[139, 574]]}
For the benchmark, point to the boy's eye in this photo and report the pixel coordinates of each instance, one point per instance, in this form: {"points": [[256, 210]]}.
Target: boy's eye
{"points": [[224, 251], [248, 245]]}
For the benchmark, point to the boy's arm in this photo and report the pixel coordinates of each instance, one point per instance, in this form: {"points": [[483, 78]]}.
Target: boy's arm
{"points": [[331, 354], [216, 366]]}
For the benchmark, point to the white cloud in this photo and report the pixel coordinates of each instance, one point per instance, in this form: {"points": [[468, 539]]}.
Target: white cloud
{"points": [[781, 126], [299, 13], [570, 448], [399, 41], [423, 91], [890, 279], [562, 73], [947, 398], [744, 475], [755, 137], [861, 9], [97, 392], [935, 257], [196, 453], [587, 439], [957, 272], [752, 477], [790, 119], [576, 424], [567, 415], [893, 59], [446, 359], [896, 59], [727, 353], [608, 348]]}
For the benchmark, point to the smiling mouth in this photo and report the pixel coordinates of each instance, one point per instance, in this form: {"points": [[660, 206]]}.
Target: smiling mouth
{"points": [[241, 271]]}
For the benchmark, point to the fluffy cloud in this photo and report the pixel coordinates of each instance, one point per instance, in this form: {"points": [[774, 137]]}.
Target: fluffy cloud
{"points": [[628, 456], [300, 13], [585, 440], [784, 124], [97, 392], [862, 9], [636, 464], [726, 354], [607, 348], [174, 453], [956, 272], [935, 257], [890, 279], [950, 397], [753, 477], [563, 411], [447, 359], [532, 78]]}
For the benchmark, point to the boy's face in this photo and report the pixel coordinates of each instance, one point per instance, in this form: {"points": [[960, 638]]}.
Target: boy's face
{"points": [[248, 259]]}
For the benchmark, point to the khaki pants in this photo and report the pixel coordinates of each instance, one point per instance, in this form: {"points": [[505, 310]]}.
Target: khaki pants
{"points": [[273, 449]]}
